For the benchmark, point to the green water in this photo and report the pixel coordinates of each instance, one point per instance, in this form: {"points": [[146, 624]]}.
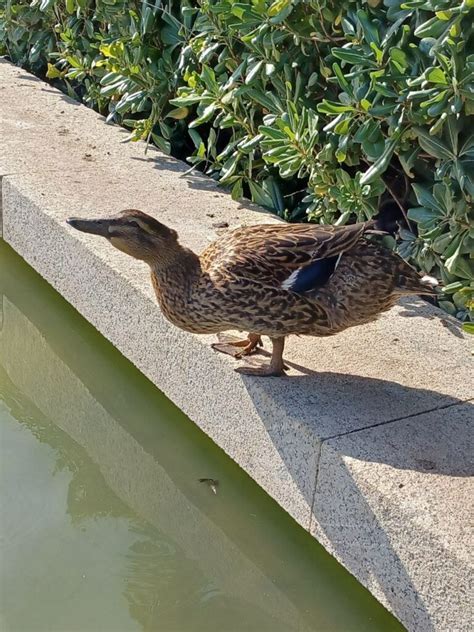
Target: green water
{"points": [[104, 524]]}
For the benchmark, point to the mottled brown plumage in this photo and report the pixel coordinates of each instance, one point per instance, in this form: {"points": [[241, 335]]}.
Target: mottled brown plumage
{"points": [[273, 280]]}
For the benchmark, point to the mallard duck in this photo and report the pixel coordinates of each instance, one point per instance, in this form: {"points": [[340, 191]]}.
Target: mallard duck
{"points": [[274, 280]]}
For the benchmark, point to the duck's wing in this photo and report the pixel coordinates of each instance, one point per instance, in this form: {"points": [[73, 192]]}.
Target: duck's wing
{"points": [[294, 257]]}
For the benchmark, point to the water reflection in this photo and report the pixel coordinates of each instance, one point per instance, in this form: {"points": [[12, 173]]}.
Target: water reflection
{"points": [[106, 524]]}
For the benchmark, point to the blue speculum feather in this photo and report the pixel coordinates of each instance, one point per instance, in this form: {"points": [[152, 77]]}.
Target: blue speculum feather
{"points": [[314, 275]]}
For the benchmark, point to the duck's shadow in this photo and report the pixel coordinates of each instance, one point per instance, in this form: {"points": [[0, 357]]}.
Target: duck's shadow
{"points": [[422, 307], [329, 404], [383, 422]]}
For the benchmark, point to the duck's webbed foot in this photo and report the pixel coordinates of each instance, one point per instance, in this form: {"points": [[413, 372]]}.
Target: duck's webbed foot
{"points": [[236, 347], [275, 368]]}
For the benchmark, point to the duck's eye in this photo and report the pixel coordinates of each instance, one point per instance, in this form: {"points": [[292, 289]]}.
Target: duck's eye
{"points": [[133, 223]]}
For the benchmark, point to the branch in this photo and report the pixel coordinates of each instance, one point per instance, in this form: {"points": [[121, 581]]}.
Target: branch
{"points": [[400, 206]]}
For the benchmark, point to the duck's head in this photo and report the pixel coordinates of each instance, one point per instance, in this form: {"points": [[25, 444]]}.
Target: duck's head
{"points": [[133, 232]]}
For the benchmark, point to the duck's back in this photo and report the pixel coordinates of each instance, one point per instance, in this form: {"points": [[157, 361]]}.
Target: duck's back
{"points": [[271, 252], [307, 279]]}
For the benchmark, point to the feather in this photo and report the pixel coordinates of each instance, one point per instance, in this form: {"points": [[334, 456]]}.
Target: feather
{"points": [[429, 281], [311, 276]]}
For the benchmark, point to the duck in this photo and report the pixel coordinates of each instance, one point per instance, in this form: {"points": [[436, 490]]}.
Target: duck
{"points": [[274, 280]]}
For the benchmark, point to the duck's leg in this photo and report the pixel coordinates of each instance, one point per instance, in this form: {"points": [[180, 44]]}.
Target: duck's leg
{"points": [[276, 366], [238, 348]]}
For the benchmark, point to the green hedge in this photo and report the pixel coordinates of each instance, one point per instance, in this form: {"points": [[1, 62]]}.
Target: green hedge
{"points": [[315, 109]]}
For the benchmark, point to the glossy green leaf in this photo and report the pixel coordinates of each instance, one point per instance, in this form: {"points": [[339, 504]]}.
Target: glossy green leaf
{"points": [[381, 163], [436, 75], [434, 146], [206, 115], [330, 107]]}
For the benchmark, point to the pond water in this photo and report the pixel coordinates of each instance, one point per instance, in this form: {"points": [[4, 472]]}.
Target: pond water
{"points": [[104, 523]]}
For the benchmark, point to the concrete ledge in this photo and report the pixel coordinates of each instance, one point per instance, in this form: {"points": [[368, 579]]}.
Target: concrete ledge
{"points": [[329, 441]]}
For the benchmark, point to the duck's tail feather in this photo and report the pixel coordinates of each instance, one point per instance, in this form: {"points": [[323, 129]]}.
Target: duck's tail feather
{"points": [[410, 282]]}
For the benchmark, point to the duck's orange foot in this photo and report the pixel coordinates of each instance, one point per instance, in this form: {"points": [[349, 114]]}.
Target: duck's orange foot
{"points": [[237, 348]]}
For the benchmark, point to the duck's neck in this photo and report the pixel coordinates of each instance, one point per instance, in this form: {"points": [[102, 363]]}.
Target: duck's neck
{"points": [[174, 276]]}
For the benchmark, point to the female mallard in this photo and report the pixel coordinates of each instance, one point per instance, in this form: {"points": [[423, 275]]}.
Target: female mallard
{"points": [[273, 280]]}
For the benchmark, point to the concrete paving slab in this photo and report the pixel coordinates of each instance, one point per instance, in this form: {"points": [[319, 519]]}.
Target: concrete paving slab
{"points": [[394, 504]]}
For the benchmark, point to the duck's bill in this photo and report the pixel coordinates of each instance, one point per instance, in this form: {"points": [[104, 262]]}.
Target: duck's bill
{"points": [[93, 226]]}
